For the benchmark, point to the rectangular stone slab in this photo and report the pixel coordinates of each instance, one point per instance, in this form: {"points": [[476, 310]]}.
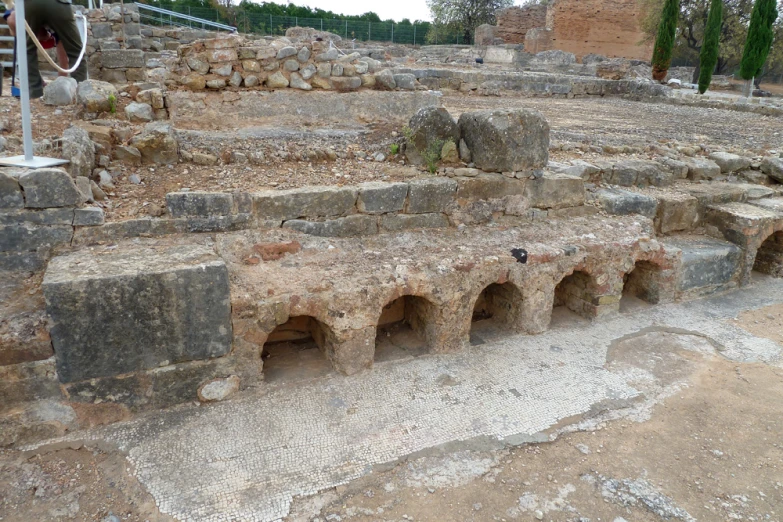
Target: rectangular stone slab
{"points": [[120, 311]]}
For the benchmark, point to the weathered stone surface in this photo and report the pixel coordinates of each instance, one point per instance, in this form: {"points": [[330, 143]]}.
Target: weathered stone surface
{"points": [[702, 168], [623, 202], [277, 81], [157, 144], [506, 140], [488, 186], [405, 81], [705, 262], [25, 237], [303, 55], [197, 65], [639, 173], [122, 59], [554, 57], [385, 80], [222, 69], [430, 195], [96, 96], [128, 154], [216, 83], [202, 158], [730, 162], [139, 112], [45, 188], [376, 197], [219, 389], [345, 83], [222, 55], [194, 82], [47, 216], [773, 167], [10, 192], [448, 153], [153, 97], [555, 191], [328, 56], [397, 222], [308, 202], [80, 151], [297, 82], [350, 226], [199, 204], [430, 128], [285, 52], [88, 217], [62, 91], [154, 306], [308, 71], [676, 212]]}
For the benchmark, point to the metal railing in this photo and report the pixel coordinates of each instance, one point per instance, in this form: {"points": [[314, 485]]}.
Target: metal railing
{"points": [[166, 17]]}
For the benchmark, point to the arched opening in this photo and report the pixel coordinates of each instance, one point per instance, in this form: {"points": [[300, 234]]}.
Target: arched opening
{"points": [[295, 351], [641, 286], [769, 257], [573, 299], [496, 310], [402, 329]]}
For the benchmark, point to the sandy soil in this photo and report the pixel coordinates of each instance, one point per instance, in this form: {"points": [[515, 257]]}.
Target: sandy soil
{"points": [[764, 322]]}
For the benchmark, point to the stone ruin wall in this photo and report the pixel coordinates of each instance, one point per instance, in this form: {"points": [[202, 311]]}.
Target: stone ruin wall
{"points": [[606, 27], [515, 22]]}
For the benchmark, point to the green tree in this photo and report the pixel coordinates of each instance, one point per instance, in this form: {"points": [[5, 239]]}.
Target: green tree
{"points": [[708, 57], [759, 40], [465, 15], [664, 42]]}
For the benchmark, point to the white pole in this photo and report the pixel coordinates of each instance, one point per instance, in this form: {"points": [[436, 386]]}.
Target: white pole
{"points": [[24, 81]]}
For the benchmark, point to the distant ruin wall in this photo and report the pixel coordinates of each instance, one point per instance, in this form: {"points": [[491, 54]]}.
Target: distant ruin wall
{"points": [[606, 27], [515, 22]]}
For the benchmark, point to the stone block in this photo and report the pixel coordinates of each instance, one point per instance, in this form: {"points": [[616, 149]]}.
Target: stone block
{"points": [[47, 216], [88, 217], [45, 188], [552, 191], [405, 81], [127, 154], [488, 186], [506, 140], [730, 162], [199, 204], [222, 55], [624, 202], [773, 167], [26, 237], [136, 308], [398, 222], [62, 91], [430, 195], [308, 202], [429, 128], [139, 112], [101, 30], [350, 226], [702, 168], [10, 192], [157, 144], [345, 83], [676, 212], [122, 59], [639, 173], [716, 193], [379, 198], [96, 96], [706, 263]]}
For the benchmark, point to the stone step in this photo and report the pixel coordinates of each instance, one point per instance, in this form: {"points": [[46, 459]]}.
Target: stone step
{"points": [[747, 226], [707, 265]]}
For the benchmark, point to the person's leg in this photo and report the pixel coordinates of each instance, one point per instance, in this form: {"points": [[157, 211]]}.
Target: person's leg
{"points": [[60, 19], [33, 12], [62, 58]]}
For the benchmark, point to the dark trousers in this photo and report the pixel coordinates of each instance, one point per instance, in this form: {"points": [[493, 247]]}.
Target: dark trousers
{"points": [[58, 17]]}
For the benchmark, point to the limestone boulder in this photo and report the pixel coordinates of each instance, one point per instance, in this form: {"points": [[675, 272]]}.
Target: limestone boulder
{"points": [[773, 167], [385, 80], [506, 140], [157, 144], [553, 57], [139, 112], [10, 193], [729, 162], [48, 188], [430, 128], [97, 96], [61, 91], [80, 151]]}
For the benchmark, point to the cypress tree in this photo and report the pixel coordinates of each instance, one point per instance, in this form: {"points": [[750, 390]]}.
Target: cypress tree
{"points": [[664, 41], [759, 39], [708, 57]]}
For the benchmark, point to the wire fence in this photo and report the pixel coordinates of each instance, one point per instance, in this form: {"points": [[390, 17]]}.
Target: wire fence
{"points": [[258, 23]]}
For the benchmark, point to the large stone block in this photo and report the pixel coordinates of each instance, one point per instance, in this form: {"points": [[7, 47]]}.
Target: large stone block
{"points": [[702, 168], [10, 192], [729, 162], [157, 144], [45, 188], [640, 173], [676, 212], [136, 308], [78, 145], [350, 226], [555, 191], [706, 263], [309, 202], [122, 59], [397, 222], [24, 238], [199, 204], [430, 195], [624, 202], [429, 128], [506, 140], [379, 198], [489, 186], [96, 96], [773, 167]]}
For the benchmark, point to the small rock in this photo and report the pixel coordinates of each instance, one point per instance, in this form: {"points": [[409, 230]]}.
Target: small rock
{"points": [[61, 91], [219, 389], [380, 157], [538, 514], [135, 179]]}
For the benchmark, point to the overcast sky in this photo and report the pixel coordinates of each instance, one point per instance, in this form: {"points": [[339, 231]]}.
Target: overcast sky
{"points": [[394, 9]]}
